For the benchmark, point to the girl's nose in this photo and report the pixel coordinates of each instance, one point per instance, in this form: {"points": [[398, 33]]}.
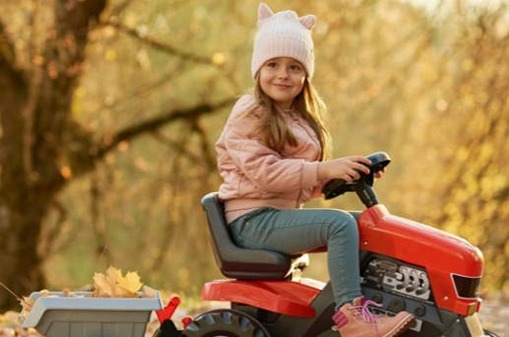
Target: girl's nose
{"points": [[283, 73]]}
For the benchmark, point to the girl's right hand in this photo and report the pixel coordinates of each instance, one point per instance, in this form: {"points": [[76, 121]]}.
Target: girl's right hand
{"points": [[346, 168]]}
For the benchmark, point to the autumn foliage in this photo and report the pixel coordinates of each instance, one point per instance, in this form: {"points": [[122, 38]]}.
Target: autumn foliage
{"points": [[109, 111]]}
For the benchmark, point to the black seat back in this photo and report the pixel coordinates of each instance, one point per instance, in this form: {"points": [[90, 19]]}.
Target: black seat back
{"points": [[237, 262]]}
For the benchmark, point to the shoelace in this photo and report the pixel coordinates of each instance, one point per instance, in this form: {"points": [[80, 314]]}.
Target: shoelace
{"points": [[361, 312], [367, 315]]}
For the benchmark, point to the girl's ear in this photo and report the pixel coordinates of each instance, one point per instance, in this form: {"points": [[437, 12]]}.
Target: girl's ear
{"points": [[308, 21], [264, 11]]}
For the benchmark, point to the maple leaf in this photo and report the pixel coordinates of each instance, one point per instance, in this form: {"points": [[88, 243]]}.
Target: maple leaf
{"points": [[114, 284], [103, 286], [113, 274], [130, 283]]}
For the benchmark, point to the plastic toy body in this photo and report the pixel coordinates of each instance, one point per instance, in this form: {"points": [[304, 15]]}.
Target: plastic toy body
{"points": [[405, 266], [56, 315]]}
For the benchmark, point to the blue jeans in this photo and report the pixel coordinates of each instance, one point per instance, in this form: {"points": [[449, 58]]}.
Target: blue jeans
{"points": [[294, 231]]}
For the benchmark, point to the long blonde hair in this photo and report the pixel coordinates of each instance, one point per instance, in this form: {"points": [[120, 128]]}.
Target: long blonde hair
{"points": [[274, 129]]}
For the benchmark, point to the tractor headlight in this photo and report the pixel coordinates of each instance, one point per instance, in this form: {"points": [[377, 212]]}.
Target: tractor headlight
{"points": [[466, 287]]}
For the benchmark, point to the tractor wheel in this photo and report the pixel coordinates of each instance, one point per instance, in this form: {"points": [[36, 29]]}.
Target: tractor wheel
{"points": [[225, 322]]}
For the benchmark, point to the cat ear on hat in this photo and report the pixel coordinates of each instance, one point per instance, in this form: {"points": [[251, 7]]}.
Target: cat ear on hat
{"points": [[264, 11], [308, 21]]}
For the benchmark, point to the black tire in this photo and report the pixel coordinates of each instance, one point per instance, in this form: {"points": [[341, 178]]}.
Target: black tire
{"points": [[488, 333], [225, 322]]}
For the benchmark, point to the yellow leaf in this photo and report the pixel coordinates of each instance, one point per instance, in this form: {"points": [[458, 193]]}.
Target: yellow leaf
{"points": [[113, 274], [27, 303], [130, 283], [102, 286], [114, 284]]}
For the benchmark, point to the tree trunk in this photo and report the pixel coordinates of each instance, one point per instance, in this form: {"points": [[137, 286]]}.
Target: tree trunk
{"points": [[21, 271], [15, 228], [36, 135]]}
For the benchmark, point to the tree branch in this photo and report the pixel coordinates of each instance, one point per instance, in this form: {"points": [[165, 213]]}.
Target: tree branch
{"points": [[154, 124], [205, 146], [159, 45], [179, 147]]}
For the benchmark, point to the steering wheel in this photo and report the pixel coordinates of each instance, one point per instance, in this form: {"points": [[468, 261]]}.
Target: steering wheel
{"points": [[336, 187]]}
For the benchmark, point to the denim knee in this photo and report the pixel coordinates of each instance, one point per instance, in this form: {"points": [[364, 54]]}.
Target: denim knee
{"points": [[343, 225]]}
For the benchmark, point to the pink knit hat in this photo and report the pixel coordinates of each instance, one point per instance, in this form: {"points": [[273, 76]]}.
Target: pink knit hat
{"points": [[283, 34]]}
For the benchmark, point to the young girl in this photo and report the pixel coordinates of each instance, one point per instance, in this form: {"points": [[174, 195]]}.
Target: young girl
{"points": [[272, 158]]}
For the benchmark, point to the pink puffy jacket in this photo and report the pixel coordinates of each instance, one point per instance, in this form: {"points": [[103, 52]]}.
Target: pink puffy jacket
{"points": [[256, 176]]}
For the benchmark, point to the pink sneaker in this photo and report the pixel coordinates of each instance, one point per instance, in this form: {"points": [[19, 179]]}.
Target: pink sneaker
{"points": [[355, 320]]}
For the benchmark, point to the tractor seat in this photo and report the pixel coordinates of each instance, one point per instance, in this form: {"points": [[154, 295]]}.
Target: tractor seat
{"points": [[234, 261]]}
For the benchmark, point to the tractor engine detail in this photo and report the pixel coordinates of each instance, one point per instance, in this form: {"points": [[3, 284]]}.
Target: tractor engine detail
{"points": [[393, 277]]}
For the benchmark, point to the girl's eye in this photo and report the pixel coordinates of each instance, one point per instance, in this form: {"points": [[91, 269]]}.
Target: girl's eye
{"points": [[271, 64], [295, 67]]}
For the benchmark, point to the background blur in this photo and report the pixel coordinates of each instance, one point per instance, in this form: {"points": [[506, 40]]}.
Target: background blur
{"points": [[110, 109]]}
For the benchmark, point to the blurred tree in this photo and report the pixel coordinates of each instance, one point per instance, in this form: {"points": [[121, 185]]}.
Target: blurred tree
{"points": [[466, 136], [43, 146]]}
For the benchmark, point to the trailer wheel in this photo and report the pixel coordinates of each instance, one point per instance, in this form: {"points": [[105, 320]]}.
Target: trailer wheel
{"points": [[225, 322]]}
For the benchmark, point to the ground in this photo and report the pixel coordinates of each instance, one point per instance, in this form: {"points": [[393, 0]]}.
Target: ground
{"points": [[495, 315]]}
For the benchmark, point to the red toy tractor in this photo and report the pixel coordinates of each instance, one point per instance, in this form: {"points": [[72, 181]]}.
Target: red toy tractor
{"points": [[404, 265]]}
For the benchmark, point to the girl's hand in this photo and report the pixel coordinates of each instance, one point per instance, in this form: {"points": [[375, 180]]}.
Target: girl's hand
{"points": [[346, 168], [379, 174]]}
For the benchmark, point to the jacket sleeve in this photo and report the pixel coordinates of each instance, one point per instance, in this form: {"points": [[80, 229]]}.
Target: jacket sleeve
{"points": [[317, 190], [264, 167]]}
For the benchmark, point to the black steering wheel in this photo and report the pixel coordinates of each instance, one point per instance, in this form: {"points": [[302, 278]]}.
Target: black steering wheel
{"points": [[336, 187]]}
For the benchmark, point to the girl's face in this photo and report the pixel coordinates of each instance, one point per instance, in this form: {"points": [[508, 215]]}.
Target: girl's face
{"points": [[282, 79]]}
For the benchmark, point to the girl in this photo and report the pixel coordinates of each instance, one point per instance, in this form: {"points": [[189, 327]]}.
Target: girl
{"points": [[272, 158]]}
